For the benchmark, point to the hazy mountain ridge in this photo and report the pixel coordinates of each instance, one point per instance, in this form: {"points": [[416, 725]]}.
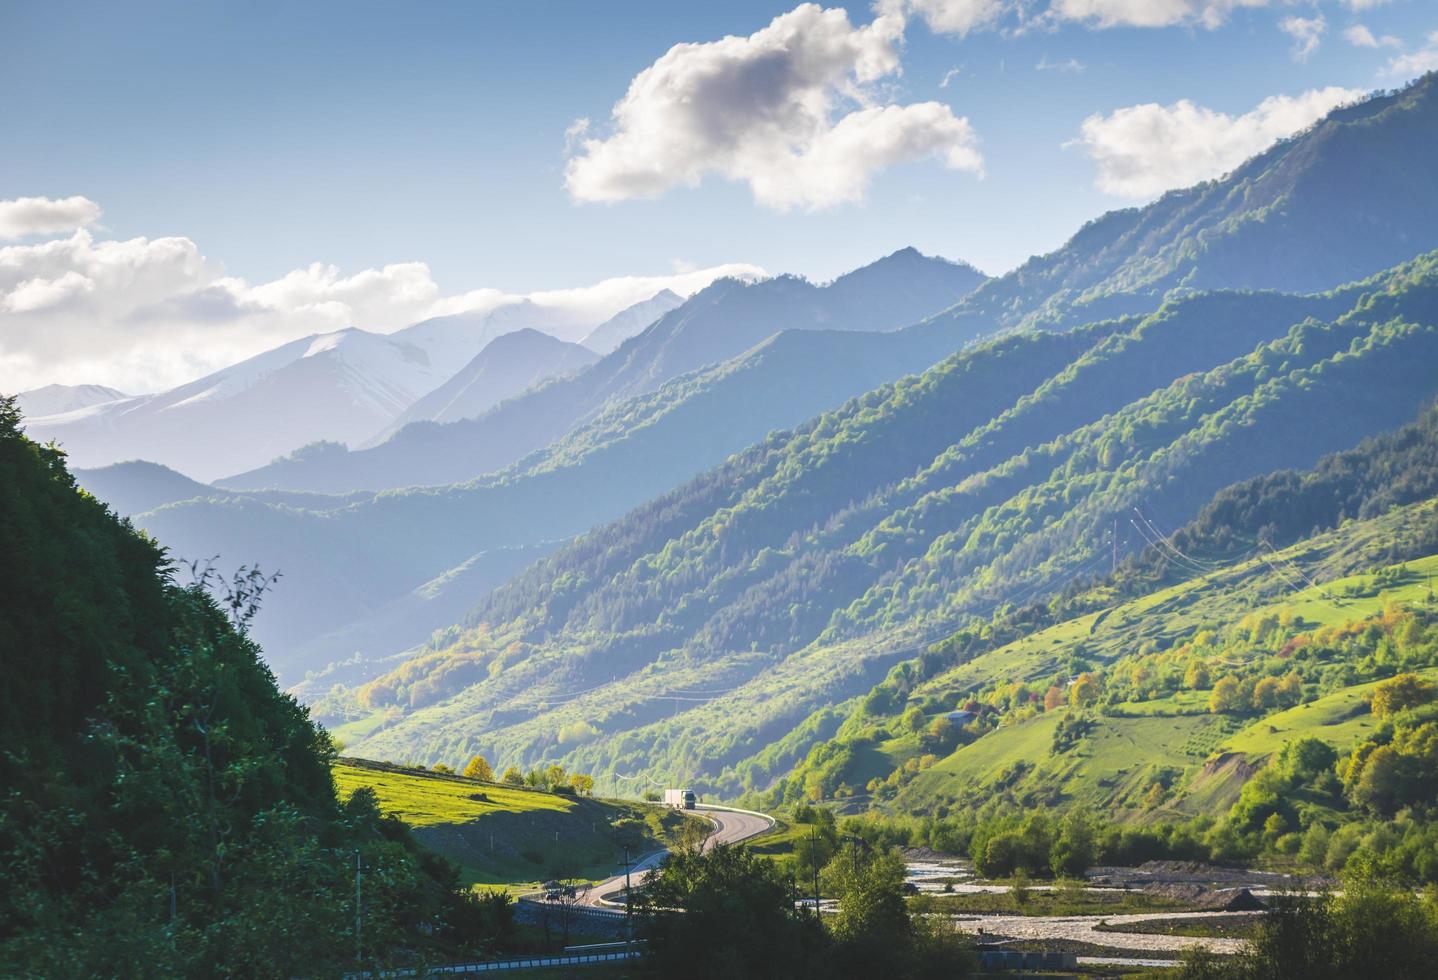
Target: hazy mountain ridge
{"points": [[719, 322], [507, 366], [604, 338], [340, 387]]}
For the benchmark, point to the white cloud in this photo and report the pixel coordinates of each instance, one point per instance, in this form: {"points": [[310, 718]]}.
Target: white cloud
{"points": [[789, 110], [1413, 63], [949, 16], [27, 216], [147, 314], [949, 76], [1363, 4], [1143, 150], [1307, 34], [1148, 13], [1361, 37], [1072, 65]]}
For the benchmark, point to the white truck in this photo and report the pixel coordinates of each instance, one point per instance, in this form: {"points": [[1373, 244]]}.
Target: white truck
{"points": [[680, 799]]}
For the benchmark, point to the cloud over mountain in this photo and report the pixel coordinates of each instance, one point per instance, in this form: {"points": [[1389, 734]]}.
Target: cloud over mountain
{"points": [[792, 110], [145, 314], [1143, 150]]}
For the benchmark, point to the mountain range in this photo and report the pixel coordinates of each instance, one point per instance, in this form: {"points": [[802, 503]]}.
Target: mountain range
{"points": [[344, 387], [791, 576], [781, 489], [719, 322]]}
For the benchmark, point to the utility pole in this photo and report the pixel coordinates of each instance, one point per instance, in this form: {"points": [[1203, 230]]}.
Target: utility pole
{"points": [[359, 922], [814, 860], [628, 904]]}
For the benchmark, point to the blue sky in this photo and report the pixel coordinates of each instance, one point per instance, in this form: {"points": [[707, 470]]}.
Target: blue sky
{"points": [[275, 135]]}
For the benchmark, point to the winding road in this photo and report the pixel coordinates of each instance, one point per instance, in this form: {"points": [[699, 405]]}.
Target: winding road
{"points": [[730, 827]]}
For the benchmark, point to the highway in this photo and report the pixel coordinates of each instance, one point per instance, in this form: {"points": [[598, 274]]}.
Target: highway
{"points": [[730, 827]]}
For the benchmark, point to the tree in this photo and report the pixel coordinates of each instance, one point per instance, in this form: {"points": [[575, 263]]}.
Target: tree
{"points": [[1401, 693], [1196, 678], [727, 913], [478, 768], [1265, 693], [513, 776], [1227, 697], [1074, 848], [583, 784], [1085, 691], [440, 767], [872, 926]]}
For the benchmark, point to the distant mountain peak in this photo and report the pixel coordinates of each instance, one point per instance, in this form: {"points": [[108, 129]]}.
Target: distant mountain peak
{"points": [[61, 399]]}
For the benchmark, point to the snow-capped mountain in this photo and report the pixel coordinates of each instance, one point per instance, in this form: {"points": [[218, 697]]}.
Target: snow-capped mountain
{"points": [[339, 386], [56, 399], [631, 322], [342, 387]]}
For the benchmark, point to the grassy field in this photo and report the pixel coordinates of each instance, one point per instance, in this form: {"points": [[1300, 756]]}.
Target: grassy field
{"points": [[1198, 760], [508, 837]]}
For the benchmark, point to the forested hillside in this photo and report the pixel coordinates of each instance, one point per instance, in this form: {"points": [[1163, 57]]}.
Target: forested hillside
{"points": [[166, 811], [702, 628], [1297, 576]]}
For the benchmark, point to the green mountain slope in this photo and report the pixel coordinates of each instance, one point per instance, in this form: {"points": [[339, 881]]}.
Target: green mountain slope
{"points": [[367, 606], [703, 627], [1358, 177], [1221, 593]]}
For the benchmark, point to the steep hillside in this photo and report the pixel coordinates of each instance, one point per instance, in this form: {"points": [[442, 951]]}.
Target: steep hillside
{"points": [[712, 622], [1345, 199], [714, 325], [136, 486], [1108, 690], [167, 811]]}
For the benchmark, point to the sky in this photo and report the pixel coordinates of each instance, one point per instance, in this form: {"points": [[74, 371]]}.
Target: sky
{"points": [[186, 184]]}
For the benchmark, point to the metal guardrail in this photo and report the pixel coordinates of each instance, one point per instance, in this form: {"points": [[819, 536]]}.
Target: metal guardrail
{"points": [[534, 962], [518, 963]]}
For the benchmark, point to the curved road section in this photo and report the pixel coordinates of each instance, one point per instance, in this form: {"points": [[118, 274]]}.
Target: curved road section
{"points": [[730, 827]]}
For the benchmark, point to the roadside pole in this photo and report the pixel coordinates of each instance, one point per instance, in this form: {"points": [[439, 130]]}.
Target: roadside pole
{"points": [[628, 908], [814, 860], [359, 922]]}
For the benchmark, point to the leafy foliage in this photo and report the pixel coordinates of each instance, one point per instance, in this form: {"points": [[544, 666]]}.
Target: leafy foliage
{"points": [[164, 805]]}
